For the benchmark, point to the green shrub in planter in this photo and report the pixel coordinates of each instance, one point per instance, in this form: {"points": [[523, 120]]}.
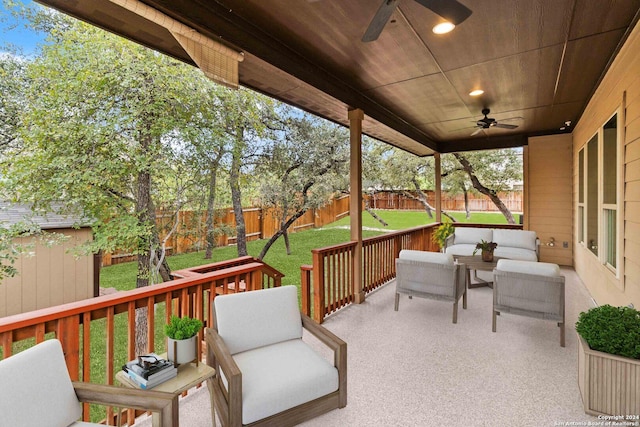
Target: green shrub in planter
{"points": [[613, 330], [182, 328]]}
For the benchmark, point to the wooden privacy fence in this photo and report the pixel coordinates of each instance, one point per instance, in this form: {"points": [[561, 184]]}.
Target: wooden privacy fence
{"points": [[190, 295], [327, 285], [450, 202], [260, 223]]}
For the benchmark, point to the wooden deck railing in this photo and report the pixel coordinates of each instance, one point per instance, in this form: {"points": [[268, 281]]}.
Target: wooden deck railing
{"points": [[191, 295], [327, 285]]}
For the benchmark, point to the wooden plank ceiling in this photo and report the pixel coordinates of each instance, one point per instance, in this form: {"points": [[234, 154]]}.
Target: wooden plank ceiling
{"points": [[538, 61]]}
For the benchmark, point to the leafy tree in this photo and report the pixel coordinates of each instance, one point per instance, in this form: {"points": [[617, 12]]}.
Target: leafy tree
{"points": [[97, 128], [492, 171], [399, 171], [305, 168], [248, 118]]}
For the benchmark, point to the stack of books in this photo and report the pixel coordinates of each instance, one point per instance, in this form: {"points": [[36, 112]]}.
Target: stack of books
{"points": [[150, 370]]}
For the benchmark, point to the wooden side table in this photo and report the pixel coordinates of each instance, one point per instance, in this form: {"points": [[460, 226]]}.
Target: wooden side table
{"points": [[476, 263], [189, 375]]}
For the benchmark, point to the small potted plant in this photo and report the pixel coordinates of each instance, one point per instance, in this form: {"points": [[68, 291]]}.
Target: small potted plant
{"points": [[487, 249], [609, 343], [441, 233], [182, 339]]}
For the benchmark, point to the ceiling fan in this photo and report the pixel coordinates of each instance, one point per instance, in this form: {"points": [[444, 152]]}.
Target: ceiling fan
{"points": [[451, 10], [489, 122]]}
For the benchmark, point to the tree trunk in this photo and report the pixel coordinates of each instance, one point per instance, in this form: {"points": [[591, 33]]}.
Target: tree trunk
{"points": [[373, 214], [283, 229], [484, 190], [209, 227], [236, 198], [466, 202], [285, 233], [427, 207]]}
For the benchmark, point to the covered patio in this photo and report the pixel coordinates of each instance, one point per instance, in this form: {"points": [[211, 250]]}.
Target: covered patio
{"points": [[559, 69], [415, 367]]}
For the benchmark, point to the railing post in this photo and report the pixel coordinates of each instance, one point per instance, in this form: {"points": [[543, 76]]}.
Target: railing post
{"points": [[305, 288], [318, 286], [68, 332]]}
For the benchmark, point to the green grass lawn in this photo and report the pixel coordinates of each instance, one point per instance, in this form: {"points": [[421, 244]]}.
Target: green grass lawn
{"points": [[401, 220]]}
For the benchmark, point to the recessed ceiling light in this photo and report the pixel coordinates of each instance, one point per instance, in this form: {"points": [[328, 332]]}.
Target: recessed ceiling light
{"points": [[443, 27], [476, 92]]}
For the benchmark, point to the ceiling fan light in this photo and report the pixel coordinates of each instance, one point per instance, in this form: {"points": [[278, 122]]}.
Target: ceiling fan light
{"points": [[443, 27], [476, 92]]}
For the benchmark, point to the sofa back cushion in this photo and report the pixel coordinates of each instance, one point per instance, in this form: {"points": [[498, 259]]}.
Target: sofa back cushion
{"points": [[253, 319], [523, 239], [470, 235], [425, 256], [35, 388], [528, 267]]}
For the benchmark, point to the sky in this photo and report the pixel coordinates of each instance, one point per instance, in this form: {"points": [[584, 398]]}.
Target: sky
{"points": [[13, 32]]}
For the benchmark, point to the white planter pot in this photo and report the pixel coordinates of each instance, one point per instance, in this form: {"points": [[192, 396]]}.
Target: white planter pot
{"points": [[185, 350]]}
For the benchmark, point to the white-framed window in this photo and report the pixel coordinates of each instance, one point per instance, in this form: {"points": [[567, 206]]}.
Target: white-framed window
{"points": [[599, 193]]}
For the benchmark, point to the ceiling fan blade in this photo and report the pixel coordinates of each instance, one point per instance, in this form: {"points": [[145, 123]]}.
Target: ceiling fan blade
{"points": [[451, 10], [380, 20], [477, 131], [512, 118], [503, 126]]}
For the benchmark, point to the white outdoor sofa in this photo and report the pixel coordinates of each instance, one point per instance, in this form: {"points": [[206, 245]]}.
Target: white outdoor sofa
{"points": [[512, 244]]}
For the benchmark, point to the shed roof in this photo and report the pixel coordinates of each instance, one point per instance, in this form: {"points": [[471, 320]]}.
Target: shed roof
{"points": [[14, 213]]}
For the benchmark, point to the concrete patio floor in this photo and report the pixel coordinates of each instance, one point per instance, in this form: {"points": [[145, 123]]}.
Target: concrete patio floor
{"points": [[416, 368]]}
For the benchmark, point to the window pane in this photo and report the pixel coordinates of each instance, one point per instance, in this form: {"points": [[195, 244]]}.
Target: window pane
{"points": [[580, 224], [581, 177], [592, 194], [610, 224], [610, 160]]}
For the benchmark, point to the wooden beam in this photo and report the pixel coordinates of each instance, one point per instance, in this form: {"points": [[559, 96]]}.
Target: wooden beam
{"points": [[490, 143], [355, 204]]}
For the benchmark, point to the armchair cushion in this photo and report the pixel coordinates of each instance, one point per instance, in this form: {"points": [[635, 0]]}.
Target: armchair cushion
{"points": [[35, 388], [425, 256], [277, 377], [526, 267], [250, 320]]}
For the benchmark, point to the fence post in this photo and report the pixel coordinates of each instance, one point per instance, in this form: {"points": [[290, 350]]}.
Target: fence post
{"points": [[305, 288]]}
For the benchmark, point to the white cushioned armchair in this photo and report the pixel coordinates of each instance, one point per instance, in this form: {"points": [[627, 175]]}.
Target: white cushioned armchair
{"points": [[431, 275], [534, 289], [265, 373], [35, 390]]}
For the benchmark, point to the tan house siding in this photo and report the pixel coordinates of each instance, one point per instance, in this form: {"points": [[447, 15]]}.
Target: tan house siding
{"points": [[620, 88], [549, 196], [51, 277]]}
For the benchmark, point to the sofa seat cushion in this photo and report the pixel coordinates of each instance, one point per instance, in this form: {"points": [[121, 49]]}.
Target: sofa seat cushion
{"points": [[280, 376], [425, 256], [463, 249], [526, 267], [470, 235], [272, 318], [523, 239], [515, 253]]}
